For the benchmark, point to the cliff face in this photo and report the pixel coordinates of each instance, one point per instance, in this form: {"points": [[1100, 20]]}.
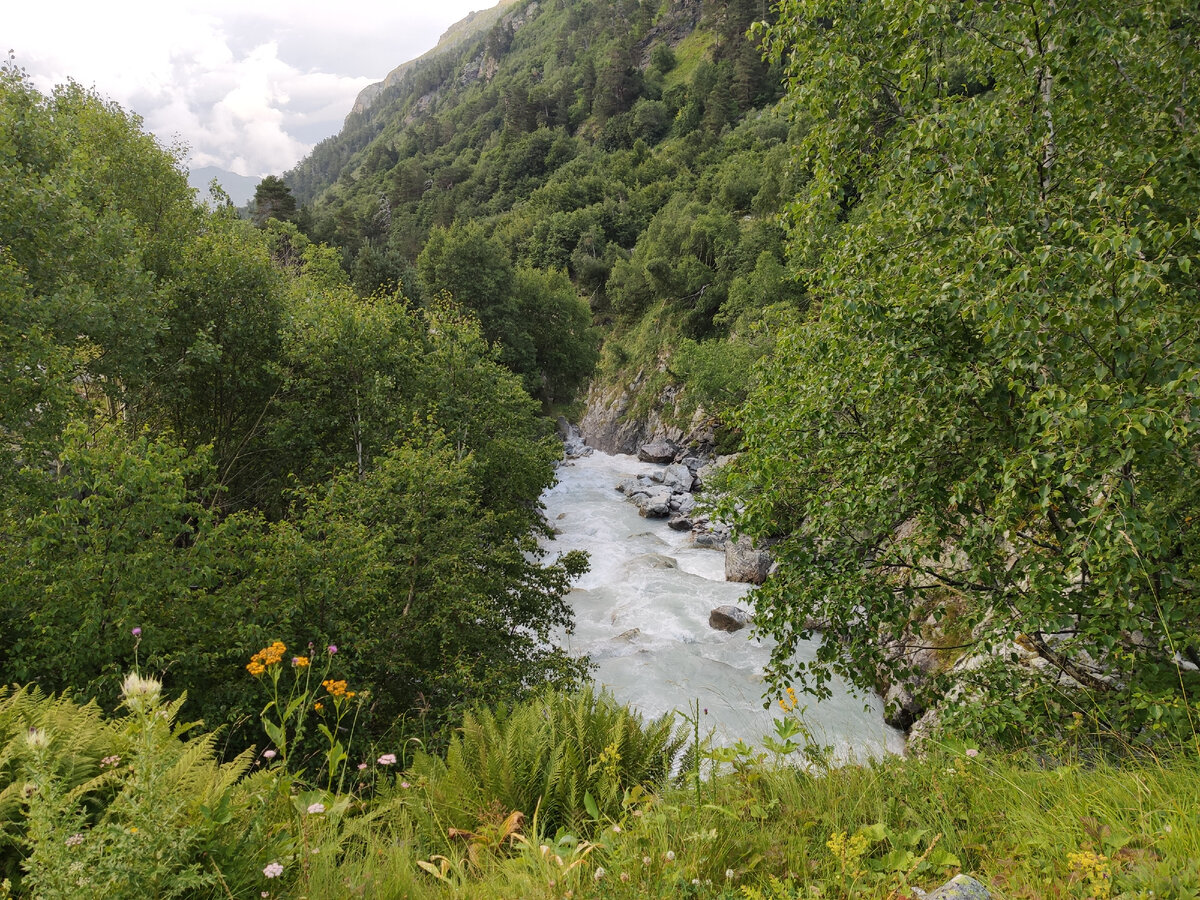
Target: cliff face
{"points": [[615, 421], [457, 34]]}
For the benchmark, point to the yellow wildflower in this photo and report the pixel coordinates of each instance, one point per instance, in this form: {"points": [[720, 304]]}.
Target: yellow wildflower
{"points": [[300, 662], [318, 706], [268, 656], [335, 688]]}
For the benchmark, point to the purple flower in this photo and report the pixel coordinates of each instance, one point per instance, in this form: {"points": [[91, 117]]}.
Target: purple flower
{"points": [[137, 632], [332, 648]]}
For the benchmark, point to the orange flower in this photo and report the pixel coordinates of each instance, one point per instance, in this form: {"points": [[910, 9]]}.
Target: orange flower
{"points": [[335, 688], [300, 662], [268, 656], [318, 706]]}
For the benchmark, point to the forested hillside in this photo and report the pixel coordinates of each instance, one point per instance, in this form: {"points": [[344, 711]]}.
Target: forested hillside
{"points": [[640, 151], [961, 247]]}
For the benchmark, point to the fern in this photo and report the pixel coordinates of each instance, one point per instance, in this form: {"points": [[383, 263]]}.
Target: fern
{"points": [[546, 756]]}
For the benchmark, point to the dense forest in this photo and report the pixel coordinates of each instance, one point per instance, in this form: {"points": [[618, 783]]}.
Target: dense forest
{"points": [[927, 271]]}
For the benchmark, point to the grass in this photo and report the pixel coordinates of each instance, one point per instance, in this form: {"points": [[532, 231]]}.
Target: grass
{"points": [[494, 819]]}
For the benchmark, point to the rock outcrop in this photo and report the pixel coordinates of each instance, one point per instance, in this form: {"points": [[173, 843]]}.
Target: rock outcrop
{"points": [[608, 425]]}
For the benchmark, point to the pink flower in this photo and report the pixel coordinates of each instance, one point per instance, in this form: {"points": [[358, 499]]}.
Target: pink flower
{"points": [[405, 785], [972, 753], [315, 809], [75, 840], [361, 766], [388, 759], [269, 754], [137, 632], [332, 649], [273, 870]]}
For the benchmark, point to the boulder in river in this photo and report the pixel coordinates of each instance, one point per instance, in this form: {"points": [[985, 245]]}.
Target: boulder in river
{"points": [[656, 505], [709, 540], [746, 564], [658, 451], [679, 522], [728, 618]]}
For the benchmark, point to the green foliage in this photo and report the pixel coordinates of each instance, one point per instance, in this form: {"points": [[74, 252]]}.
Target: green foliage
{"points": [[561, 759], [127, 806], [273, 200], [119, 808], [212, 439], [997, 394]]}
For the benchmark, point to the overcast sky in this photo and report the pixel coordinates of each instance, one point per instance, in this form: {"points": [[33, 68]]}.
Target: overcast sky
{"points": [[248, 85]]}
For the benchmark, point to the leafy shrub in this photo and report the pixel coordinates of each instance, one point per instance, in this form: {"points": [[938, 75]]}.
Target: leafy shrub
{"points": [[549, 756]]}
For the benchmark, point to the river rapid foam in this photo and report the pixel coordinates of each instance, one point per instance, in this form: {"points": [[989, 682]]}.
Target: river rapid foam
{"points": [[641, 614]]}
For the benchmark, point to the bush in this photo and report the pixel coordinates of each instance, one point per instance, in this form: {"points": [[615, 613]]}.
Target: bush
{"points": [[564, 757]]}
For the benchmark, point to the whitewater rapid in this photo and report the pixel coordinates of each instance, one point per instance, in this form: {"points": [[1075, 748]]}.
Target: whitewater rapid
{"points": [[641, 614]]}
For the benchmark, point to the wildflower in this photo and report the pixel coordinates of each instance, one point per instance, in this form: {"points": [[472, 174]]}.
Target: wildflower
{"points": [[133, 829], [405, 785], [388, 759], [36, 738], [318, 706], [645, 860], [670, 856], [269, 754], [137, 632], [729, 874], [624, 877], [110, 761], [617, 829], [273, 870], [972, 753], [315, 809], [300, 662], [335, 688], [361, 766], [75, 840], [265, 658], [332, 649], [138, 690], [599, 873], [696, 882]]}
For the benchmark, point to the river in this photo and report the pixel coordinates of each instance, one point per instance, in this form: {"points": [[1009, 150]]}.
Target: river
{"points": [[641, 613]]}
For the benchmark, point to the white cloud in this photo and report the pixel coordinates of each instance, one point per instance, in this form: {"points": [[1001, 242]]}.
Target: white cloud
{"points": [[249, 90]]}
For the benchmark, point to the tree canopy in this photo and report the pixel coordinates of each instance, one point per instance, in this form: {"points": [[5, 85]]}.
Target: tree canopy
{"points": [[991, 417]]}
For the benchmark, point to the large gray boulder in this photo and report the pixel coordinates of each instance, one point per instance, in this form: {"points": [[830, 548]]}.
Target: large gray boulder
{"points": [[655, 505], [657, 451], [961, 887], [744, 563], [728, 618]]}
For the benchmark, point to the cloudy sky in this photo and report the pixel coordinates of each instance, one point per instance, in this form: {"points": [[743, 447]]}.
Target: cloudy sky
{"points": [[248, 85]]}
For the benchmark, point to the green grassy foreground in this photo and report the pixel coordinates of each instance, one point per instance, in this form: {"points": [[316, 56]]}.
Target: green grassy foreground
{"points": [[565, 796]]}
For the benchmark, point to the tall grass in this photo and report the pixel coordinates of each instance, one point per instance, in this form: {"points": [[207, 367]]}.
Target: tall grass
{"points": [[571, 796]]}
